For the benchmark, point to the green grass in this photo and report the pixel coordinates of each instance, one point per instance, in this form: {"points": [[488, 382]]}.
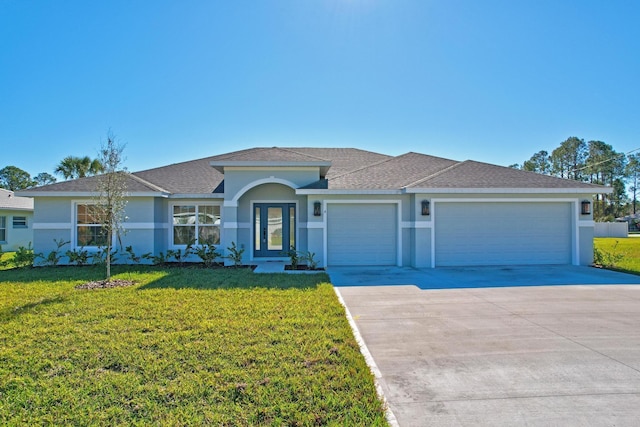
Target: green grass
{"points": [[627, 250], [5, 257], [182, 347]]}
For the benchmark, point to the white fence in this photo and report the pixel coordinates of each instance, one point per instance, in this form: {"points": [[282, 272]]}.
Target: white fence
{"points": [[611, 229]]}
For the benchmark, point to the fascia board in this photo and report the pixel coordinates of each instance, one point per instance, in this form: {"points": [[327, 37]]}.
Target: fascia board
{"points": [[348, 192], [89, 194], [196, 196], [603, 190]]}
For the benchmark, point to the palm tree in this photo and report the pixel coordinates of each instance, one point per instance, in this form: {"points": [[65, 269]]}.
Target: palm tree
{"points": [[72, 167]]}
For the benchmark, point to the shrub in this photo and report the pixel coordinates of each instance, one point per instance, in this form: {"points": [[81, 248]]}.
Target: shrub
{"points": [[78, 256], [293, 257], [235, 254], [309, 259], [24, 257], [207, 253]]}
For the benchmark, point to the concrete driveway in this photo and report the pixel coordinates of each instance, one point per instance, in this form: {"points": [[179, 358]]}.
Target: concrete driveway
{"points": [[525, 355]]}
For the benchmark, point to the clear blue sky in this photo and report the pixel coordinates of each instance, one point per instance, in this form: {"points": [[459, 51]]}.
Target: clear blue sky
{"points": [[487, 80]]}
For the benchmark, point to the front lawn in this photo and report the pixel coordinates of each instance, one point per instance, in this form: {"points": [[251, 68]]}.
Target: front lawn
{"points": [[621, 254], [182, 347]]}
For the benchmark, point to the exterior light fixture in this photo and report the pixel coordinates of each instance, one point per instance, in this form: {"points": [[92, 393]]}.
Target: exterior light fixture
{"points": [[585, 207], [425, 208], [317, 209]]}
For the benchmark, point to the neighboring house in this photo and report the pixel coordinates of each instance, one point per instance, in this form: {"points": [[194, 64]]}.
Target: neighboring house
{"points": [[16, 220], [348, 206]]}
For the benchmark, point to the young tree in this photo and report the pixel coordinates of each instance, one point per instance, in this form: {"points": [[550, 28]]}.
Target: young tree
{"points": [[72, 167], [13, 178], [112, 190]]}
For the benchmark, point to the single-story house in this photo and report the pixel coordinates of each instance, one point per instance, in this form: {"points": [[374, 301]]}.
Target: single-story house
{"points": [[346, 205], [16, 220]]}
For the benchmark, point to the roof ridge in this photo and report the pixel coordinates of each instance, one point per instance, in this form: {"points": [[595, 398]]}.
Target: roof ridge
{"points": [[368, 166], [433, 175], [148, 183], [301, 154]]}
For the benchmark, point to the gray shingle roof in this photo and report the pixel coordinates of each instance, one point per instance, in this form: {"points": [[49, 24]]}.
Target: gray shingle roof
{"points": [[351, 169], [471, 174], [8, 200]]}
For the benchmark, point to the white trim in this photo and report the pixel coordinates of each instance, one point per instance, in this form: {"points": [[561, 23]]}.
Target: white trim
{"points": [[314, 224], [575, 250], [398, 204], [170, 244], [236, 225], [229, 204], [92, 194], [417, 224], [144, 225], [586, 223], [603, 190], [347, 192], [196, 196], [270, 180], [52, 226]]}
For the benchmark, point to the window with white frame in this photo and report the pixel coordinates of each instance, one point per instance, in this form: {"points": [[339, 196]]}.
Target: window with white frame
{"points": [[196, 224], [89, 230], [3, 229], [19, 222]]}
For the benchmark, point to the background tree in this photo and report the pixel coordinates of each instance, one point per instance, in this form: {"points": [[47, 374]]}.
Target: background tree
{"points": [[13, 178], [632, 172], [44, 178], [539, 162], [72, 167], [112, 189], [568, 160]]}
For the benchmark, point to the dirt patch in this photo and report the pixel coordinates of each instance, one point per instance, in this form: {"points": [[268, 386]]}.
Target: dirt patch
{"points": [[106, 284]]}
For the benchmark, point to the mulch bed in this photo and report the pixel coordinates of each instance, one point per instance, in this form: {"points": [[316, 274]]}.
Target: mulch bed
{"points": [[106, 284], [303, 268]]}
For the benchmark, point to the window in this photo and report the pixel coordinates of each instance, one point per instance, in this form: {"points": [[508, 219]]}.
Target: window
{"points": [[3, 228], [19, 222], [196, 224], [89, 230]]}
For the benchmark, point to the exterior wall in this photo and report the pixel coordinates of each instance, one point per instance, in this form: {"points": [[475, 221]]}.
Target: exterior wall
{"points": [[16, 237], [238, 179], [54, 219]]}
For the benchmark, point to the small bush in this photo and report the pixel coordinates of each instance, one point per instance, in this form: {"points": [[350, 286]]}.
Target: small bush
{"points": [[208, 254], [235, 254], [78, 256], [24, 257]]}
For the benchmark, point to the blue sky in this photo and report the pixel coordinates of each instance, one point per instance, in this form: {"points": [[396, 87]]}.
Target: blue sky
{"points": [[487, 80]]}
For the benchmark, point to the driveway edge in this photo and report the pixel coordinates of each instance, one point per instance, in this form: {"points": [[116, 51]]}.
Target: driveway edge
{"points": [[391, 418]]}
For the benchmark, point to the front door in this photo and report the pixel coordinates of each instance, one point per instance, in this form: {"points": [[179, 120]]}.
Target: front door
{"points": [[274, 229]]}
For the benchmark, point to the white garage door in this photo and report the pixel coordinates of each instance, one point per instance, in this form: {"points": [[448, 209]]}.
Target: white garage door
{"points": [[362, 234], [502, 233]]}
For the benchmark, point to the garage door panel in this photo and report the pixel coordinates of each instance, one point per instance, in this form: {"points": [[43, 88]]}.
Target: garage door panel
{"points": [[361, 234], [503, 233]]}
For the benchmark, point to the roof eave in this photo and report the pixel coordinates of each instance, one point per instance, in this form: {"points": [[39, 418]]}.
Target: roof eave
{"points": [[91, 194], [345, 191], [220, 165], [503, 190]]}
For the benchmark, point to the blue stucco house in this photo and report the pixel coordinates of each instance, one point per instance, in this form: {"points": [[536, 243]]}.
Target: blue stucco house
{"points": [[348, 206]]}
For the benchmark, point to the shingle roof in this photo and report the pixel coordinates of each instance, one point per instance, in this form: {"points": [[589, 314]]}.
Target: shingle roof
{"points": [[391, 173], [8, 200], [471, 174], [351, 169], [90, 184]]}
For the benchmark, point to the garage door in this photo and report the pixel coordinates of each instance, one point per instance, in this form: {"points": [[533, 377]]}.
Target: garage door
{"points": [[362, 234], [502, 233]]}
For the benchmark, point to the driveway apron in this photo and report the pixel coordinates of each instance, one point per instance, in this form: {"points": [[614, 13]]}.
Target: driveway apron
{"points": [[525, 355]]}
